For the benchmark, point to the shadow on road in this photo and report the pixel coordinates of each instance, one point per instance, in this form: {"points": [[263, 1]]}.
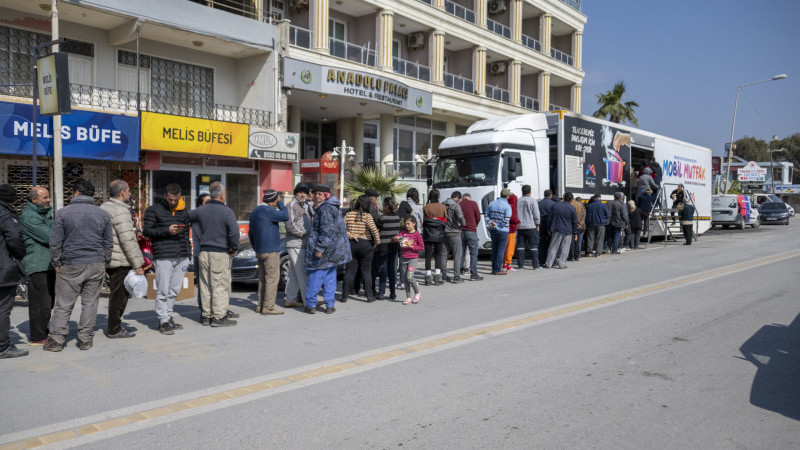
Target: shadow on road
{"points": [[775, 351]]}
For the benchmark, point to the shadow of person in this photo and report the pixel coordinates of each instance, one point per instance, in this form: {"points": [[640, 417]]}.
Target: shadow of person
{"points": [[775, 351]]}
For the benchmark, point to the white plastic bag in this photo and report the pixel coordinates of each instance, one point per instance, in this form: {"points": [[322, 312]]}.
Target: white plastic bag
{"points": [[136, 285]]}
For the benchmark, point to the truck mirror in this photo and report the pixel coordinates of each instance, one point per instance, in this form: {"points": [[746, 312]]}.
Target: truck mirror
{"points": [[511, 167], [428, 171]]}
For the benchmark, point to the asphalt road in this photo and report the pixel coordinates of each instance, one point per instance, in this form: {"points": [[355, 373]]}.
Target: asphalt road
{"points": [[668, 347]]}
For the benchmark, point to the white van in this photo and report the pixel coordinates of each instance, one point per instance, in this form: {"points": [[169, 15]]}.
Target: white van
{"points": [[725, 212]]}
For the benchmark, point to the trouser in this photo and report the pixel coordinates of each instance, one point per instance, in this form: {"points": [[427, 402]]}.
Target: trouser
{"points": [[595, 238], [528, 242], [499, 239], [73, 281], [362, 252], [511, 247], [296, 283], [387, 269], [544, 245], [453, 245], [559, 245], [7, 294], [687, 233], [616, 232], [407, 268], [635, 238], [469, 240], [169, 278], [269, 272], [438, 252], [215, 280], [321, 278], [575, 247], [117, 297], [41, 297], [199, 292]]}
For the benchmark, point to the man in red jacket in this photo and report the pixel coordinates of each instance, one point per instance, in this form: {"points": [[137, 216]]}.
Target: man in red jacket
{"points": [[469, 237]]}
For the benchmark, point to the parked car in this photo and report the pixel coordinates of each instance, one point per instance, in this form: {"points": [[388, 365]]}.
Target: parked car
{"points": [[244, 267], [774, 212], [759, 199], [726, 211]]}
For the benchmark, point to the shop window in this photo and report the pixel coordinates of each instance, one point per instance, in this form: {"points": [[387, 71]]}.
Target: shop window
{"points": [[242, 194], [162, 178]]}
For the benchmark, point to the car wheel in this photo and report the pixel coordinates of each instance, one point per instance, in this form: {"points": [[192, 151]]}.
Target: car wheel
{"points": [[284, 273], [757, 223]]}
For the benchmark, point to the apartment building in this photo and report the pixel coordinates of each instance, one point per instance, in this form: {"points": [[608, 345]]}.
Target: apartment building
{"points": [[394, 78], [162, 91]]}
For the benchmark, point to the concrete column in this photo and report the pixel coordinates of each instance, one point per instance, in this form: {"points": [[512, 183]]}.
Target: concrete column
{"points": [[450, 129], [515, 81], [385, 30], [387, 140], [479, 70], [545, 31], [438, 4], [295, 119], [516, 20], [544, 91], [344, 131], [358, 137], [318, 22], [576, 98], [577, 49], [481, 12], [436, 57]]}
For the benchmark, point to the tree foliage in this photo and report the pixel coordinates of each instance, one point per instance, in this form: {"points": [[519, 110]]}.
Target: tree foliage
{"points": [[752, 149], [372, 178], [613, 108]]}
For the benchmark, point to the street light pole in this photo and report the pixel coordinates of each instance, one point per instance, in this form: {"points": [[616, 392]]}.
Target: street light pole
{"points": [[733, 127], [342, 153]]}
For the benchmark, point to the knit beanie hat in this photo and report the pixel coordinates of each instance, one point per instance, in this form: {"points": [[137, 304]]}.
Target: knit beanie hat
{"points": [[270, 196], [7, 193]]}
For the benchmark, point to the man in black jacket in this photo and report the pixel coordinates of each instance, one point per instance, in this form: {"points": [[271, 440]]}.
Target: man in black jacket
{"points": [[166, 224], [12, 250]]}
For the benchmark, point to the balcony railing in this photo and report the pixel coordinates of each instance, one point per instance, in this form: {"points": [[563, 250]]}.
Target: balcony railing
{"points": [[498, 28], [529, 103], [430, 2], [554, 107], [411, 69], [459, 83], [351, 52], [498, 93], [531, 43], [299, 37], [459, 11], [561, 56]]}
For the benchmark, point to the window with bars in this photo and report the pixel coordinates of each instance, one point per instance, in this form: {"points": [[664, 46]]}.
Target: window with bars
{"points": [[174, 87]]}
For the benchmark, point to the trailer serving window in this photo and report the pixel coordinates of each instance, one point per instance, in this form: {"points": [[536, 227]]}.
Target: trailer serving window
{"points": [[467, 170]]}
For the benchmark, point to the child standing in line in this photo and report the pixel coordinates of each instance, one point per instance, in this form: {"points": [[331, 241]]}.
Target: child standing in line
{"points": [[410, 245]]}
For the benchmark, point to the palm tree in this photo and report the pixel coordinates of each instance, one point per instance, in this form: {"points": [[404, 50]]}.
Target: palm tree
{"points": [[372, 178], [611, 106]]}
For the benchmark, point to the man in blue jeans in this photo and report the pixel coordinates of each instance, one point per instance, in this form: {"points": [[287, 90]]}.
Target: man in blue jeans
{"points": [[498, 216], [469, 237]]}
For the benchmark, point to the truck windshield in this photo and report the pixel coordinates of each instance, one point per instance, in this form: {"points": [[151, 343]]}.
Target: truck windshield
{"points": [[468, 170]]}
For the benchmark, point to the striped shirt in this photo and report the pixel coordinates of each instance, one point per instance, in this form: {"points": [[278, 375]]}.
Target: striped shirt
{"points": [[390, 227], [357, 229]]}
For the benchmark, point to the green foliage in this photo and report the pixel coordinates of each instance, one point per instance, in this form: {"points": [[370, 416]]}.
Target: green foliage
{"points": [[791, 144], [751, 149], [612, 107], [372, 178]]}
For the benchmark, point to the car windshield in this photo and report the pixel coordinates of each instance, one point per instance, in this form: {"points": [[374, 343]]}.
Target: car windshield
{"points": [[468, 170], [773, 206]]}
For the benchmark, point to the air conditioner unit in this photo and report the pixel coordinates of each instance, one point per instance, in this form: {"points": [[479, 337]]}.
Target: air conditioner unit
{"points": [[416, 40], [497, 6], [498, 68]]}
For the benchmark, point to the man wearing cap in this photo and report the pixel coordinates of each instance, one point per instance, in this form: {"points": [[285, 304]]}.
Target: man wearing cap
{"points": [[12, 250], [265, 236], [498, 217], [219, 242], [327, 249], [297, 228]]}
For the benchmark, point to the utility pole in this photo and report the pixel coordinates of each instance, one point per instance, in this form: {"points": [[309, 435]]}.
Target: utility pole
{"points": [[58, 163]]}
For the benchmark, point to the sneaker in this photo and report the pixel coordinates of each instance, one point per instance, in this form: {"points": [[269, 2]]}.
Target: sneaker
{"points": [[392, 297], [475, 278], [42, 342], [457, 280], [407, 301], [330, 310], [205, 321], [84, 345], [224, 322], [464, 271], [416, 298], [122, 334], [52, 346], [166, 328], [12, 352], [308, 310], [511, 269], [173, 325], [232, 315], [343, 300], [292, 304], [270, 312]]}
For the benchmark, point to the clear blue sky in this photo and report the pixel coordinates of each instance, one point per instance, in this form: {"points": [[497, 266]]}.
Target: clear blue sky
{"points": [[682, 60]]}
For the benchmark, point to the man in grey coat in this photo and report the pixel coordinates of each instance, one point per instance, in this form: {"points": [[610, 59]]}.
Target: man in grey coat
{"points": [[619, 220], [297, 228], [452, 233], [79, 231], [126, 256], [528, 228]]}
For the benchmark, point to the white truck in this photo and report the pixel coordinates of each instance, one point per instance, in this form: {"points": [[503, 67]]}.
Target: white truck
{"points": [[567, 152]]}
